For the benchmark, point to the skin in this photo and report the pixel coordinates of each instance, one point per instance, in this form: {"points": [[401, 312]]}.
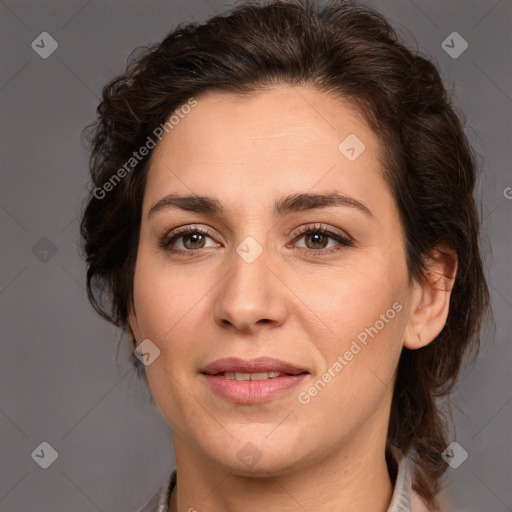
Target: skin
{"points": [[289, 303]]}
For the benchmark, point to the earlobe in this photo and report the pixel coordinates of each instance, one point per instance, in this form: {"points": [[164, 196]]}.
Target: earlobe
{"points": [[431, 300]]}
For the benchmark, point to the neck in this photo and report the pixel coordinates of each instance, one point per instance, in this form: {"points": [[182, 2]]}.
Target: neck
{"points": [[355, 479]]}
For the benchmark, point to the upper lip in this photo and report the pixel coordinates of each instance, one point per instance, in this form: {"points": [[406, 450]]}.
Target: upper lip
{"points": [[259, 364]]}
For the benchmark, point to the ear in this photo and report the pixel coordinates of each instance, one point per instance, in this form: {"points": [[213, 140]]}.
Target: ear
{"points": [[431, 299]]}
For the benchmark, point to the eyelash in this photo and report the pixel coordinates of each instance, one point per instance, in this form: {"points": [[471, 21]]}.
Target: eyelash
{"points": [[344, 240]]}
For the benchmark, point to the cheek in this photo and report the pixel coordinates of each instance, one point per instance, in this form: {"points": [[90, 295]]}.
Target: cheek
{"points": [[364, 318], [167, 299], [168, 306], [356, 379], [170, 312], [347, 302]]}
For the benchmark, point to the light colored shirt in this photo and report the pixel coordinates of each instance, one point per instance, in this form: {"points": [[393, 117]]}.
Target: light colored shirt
{"points": [[404, 499]]}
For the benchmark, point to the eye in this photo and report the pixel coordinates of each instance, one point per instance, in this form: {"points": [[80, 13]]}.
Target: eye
{"points": [[317, 237], [191, 239], [186, 239]]}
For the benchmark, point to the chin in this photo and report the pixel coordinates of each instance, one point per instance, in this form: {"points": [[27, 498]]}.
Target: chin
{"points": [[260, 456], [261, 468]]}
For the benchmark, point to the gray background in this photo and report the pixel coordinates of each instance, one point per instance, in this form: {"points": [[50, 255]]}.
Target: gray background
{"points": [[59, 379]]}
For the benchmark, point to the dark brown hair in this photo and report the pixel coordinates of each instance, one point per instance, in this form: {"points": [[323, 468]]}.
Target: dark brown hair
{"points": [[351, 51]]}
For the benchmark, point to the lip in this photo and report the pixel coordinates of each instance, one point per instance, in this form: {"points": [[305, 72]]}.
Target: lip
{"points": [[259, 364], [252, 391]]}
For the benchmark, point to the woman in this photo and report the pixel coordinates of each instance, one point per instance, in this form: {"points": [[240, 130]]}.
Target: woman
{"points": [[282, 217]]}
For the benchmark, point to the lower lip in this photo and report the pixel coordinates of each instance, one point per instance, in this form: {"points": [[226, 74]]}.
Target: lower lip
{"points": [[252, 391]]}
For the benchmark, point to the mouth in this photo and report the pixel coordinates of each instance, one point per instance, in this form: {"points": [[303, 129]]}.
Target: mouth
{"points": [[252, 381], [240, 376], [233, 367]]}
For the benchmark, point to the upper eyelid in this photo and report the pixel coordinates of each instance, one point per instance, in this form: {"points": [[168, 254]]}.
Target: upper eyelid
{"points": [[322, 227]]}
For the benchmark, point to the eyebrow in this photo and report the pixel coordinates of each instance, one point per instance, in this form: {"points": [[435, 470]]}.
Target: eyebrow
{"points": [[293, 203]]}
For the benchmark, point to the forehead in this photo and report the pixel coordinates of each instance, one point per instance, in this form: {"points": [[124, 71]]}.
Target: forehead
{"points": [[284, 114], [282, 138]]}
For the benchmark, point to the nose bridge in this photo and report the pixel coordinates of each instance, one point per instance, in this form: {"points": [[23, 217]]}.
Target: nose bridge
{"points": [[251, 292]]}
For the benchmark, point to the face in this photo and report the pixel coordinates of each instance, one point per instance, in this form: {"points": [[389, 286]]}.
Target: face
{"points": [[286, 266]]}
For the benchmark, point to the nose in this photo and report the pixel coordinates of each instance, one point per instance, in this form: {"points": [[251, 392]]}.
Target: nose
{"points": [[250, 295]]}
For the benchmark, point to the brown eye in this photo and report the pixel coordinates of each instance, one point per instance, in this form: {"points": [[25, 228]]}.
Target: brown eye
{"points": [[186, 240], [318, 240], [193, 240]]}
